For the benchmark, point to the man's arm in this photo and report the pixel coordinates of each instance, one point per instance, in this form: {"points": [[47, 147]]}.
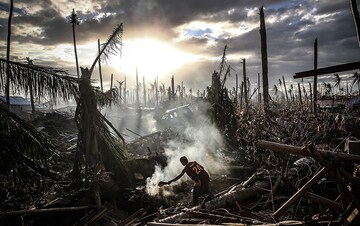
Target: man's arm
{"points": [[177, 178], [161, 183]]}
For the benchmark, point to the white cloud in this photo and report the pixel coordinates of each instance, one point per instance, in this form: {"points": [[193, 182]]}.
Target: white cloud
{"points": [[213, 30]]}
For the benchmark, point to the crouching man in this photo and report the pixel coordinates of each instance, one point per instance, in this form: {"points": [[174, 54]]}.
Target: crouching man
{"points": [[198, 174]]}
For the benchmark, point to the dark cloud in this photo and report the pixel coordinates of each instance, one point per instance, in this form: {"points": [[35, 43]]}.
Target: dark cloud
{"points": [[290, 37]]}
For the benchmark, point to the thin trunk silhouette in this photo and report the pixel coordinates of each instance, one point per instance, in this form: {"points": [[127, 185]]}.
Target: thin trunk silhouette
{"points": [[8, 76]]}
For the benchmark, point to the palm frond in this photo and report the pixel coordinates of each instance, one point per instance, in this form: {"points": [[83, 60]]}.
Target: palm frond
{"points": [[44, 81], [107, 98], [24, 150], [356, 77], [111, 46]]}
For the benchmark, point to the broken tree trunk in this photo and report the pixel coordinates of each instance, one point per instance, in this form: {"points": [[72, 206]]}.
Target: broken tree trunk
{"points": [[228, 199], [284, 148]]}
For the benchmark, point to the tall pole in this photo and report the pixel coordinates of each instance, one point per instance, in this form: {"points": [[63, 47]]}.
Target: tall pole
{"points": [[121, 92], [100, 74], [241, 95], [74, 21], [311, 97], [355, 13], [144, 90], [236, 90], [172, 88], [245, 83], [259, 94], [264, 60], [315, 76], [182, 91], [286, 94], [125, 91], [111, 81], [301, 105], [111, 86], [7, 85], [157, 91], [137, 88]]}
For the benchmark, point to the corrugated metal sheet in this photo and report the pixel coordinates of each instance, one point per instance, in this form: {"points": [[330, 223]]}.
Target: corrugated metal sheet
{"points": [[16, 100]]}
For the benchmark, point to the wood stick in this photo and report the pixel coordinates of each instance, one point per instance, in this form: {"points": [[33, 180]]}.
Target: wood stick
{"points": [[39, 211], [324, 201]]}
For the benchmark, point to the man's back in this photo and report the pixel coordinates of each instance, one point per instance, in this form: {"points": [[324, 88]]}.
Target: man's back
{"points": [[196, 172]]}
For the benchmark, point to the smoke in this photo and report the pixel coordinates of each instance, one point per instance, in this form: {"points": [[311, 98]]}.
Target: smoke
{"points": [[197, 139], [202, 143], [142, 122]]}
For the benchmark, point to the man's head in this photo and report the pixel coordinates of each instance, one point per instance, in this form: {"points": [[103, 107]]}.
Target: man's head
{"points": [[184, 160]]}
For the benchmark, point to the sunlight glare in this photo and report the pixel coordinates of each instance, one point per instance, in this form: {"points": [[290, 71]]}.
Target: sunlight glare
{"points": [[152, 58]]}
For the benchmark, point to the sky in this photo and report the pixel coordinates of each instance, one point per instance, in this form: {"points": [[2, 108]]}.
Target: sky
{"points": [[184, 38]]}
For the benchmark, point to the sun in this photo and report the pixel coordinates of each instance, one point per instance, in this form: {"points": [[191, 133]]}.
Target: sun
{"points": [[152, 58]]}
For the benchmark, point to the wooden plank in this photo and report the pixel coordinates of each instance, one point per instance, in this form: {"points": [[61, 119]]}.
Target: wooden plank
{"points": [[329, 70]]}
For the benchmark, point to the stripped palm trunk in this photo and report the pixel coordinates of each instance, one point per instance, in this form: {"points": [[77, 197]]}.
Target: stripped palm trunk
{"points": [[8, 77], [264, 60], [86, 121], [101, 151]]}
